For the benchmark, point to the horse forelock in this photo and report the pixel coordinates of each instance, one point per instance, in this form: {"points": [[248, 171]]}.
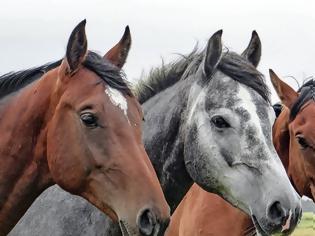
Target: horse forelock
{"points": [[306, 93]]}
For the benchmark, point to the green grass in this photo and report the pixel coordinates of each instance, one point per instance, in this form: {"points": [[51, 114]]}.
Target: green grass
{"points": [[306, 226]]}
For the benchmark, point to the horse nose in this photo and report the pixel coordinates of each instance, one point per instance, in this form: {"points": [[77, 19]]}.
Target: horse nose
{"points": [[276, 213], [282, 217], [149, 224]]}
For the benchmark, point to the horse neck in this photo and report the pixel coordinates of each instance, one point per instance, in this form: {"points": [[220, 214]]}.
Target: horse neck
{"points": [[24, 170], [164, 142]]}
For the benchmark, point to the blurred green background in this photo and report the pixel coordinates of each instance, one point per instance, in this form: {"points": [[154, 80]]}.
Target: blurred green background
{"points": [[306, 226]]}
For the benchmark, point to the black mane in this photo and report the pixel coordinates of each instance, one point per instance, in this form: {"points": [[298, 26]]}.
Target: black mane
{"points": [[306, 93], [112, 75], [231, 64], [109, 73], [13, 81]]}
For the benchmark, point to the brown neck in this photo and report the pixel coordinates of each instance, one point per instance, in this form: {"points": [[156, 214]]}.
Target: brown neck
{"points": [[24, 172]]}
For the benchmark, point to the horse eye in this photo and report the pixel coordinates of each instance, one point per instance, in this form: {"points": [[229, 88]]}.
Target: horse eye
{"points": [[220, 122], [89, 119], [301, 140]]}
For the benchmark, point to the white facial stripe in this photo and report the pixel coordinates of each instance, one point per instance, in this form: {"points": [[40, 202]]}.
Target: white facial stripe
{"points": [[196, 89], [118, 100], [248, 104]]}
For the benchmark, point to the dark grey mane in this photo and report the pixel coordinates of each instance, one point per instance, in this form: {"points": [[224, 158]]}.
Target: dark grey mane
{"points": [[306, 93], [231, 64], [163, 77], [110, 74], [13, 81]]}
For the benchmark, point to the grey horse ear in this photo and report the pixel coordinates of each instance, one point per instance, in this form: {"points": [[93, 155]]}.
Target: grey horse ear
{"points": [[213, 53], [253, 51], [119, 53]]}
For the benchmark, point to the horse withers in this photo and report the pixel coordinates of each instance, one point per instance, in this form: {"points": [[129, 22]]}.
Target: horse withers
{"points": [[78, 126]]}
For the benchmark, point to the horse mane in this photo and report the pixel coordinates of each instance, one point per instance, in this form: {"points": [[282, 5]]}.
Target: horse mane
{"points": [[14, 81], [112, 75], [109, 73], [231, 64], [163, 77], [306, 93]]}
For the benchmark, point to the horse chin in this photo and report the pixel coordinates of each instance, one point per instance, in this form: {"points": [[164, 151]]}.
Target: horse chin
{"points": [[259, 230], [124, 227]]}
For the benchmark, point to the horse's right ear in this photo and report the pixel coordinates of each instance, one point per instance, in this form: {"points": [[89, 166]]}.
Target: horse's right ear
{"points": [[286, 94], [213, 53], [77, 47]]}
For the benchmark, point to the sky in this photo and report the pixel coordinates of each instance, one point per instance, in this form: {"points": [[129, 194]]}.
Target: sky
{"points": [[34, 32]]}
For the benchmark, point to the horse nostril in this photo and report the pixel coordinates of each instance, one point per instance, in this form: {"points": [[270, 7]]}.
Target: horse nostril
{"points": [[276, 213], [147, 222]]}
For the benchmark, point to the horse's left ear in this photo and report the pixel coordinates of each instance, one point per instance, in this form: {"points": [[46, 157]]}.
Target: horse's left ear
{"points": [[119, 53], [213, 53], [253, 51], [286, 94], [77, 47]]}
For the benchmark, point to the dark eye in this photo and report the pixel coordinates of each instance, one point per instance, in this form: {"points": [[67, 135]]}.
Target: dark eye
{"points": [[89, 119], [220, 122], [301, 140]]}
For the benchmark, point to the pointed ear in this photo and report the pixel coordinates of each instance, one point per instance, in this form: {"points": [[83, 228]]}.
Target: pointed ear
{"points": [[119, 53], [213, 53], [253, 51], [77, 47], [286, 94]]}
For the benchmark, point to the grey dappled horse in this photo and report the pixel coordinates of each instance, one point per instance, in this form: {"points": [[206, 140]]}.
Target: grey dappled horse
{"points": [[208, 120]]}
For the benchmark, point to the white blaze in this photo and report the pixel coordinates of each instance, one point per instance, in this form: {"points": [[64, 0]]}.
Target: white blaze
{"points": [[118, 99], [248, 104]]}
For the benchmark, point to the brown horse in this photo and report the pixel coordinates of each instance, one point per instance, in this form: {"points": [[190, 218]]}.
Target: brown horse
{"points": [[79, 126], [207, 214], [294, 134], [203, 213]]}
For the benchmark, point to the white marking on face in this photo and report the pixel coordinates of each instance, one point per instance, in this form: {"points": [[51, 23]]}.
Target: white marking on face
{"points": [[199, 95], [248, 104], [118, 99]]}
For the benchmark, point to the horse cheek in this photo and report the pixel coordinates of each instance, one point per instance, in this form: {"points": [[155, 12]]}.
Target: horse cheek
{"points": [[67, 158]]}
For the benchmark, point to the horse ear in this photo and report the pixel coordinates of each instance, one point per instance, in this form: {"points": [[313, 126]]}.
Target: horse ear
{"points": [[77, 47], [118, 54], [286, 94], [213, 53], [253, 51]]}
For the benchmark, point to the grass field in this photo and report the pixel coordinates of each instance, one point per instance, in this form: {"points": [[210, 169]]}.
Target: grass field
{"points": [[306, 226]]}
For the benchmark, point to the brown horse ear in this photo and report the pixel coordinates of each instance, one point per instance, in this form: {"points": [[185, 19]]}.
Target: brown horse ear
{"points": [[286, 94], [77, 47], [253, 51], [118, 54], [213, 53]]}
